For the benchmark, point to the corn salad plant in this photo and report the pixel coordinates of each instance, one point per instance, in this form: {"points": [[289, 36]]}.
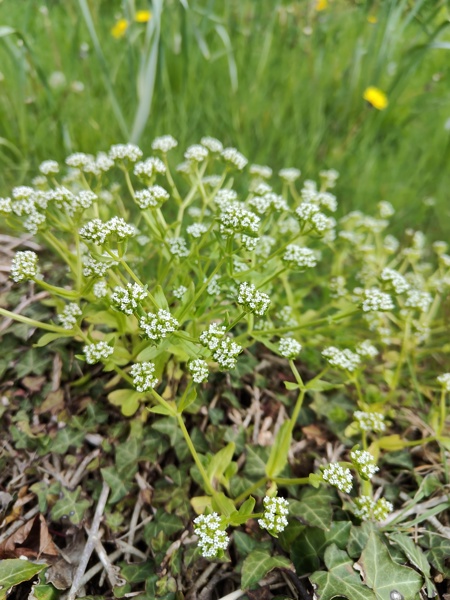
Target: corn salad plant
{"points": [[168, 276]]}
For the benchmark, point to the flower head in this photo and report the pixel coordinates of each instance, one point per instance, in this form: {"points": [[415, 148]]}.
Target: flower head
{"points": [[375, 97], [370, 421], [275, 512], [97, 351], [342, 359], [364, 463], [289, 348], [119, 28], [128, 299], [158, 326], [444, 380], [69, 315], [366, 508], [24, 266], [253, 300], [338, 476], [213, 538], [143, 376], [198, 368]]}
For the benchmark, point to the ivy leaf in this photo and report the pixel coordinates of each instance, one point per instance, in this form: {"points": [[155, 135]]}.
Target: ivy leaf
{"points": [[119, 486], [341, 578], [318, 513], [438, 551], [70, 506], [384, 575], [417, 558], [257, 564], [14, 571]]}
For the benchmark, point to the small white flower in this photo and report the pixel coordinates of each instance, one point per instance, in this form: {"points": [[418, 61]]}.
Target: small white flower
{"points": [[376, 300], [68, 317], [396, 279], [236, 219], [152, 197], [338, 476], [97, 351], [289, 348], [386, 209], [150, 167], [5, 205], [100, 289], [121, 152], [178, 246], [196, 153], [329, 177], [366, 349], [164, 144], [342, 359], [198, 368], [299, 257], [418, 299], [234, 158], [128, 299], [275, 512], [24, 266], [261, 171], [290, 174], [143, 376], [213, 538], [212, 144], [49, 167], [444, 380], [179, 292], [158, 326], [80, 160], [364, 463], [196, 230], [370, 421], [253, 300]]}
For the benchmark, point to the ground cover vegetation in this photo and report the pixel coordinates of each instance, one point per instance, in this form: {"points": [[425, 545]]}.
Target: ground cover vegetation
{"points": [[218, 379]]}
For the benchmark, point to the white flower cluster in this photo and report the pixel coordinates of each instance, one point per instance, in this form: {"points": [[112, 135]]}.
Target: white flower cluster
{"points": [[152, 197], [261, 171], [149, 168], [275, 512], [366, 349], [366, 508], [329, 177], [289, 174], [224, 350], [180, 291], [309, 213], [178, 246], [289, 348], [364, 463], [196, 230], [127, 299], [342, 359], [196, 153], [93, 267], [337, 287], [158, 326], [212, 144], [69, 315], [396, 279], [386, 209], [49, 167], [121, 152], [24, 266], [164, 143], [370, 421], [299, 257], [198, 368], [267, 201], [234, 218], [444, 380], [99, 232], [418, 299], [100, 289], [5, 205], [338, 476], [224, 197], [252, 300], [234, 158], [143, 376], [97, 351], [373, 299], [213, 539]]}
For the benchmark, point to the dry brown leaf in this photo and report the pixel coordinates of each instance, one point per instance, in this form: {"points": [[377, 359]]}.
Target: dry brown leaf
{"points": [[61, 573], [32, 540]]}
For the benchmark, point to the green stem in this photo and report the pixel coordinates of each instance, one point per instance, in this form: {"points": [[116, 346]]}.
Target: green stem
{"points": [[443, 411], [208, 487], [291, 481], [236, 321], [34, 323], [69, 294], [250, 490]]}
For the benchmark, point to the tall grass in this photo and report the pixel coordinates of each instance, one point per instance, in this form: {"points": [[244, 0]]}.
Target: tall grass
{"points": [[279, 80]]}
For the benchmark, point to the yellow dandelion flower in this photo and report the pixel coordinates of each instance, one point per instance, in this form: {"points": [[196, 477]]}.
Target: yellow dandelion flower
{"points": [[376, 97], [119, 28], [321, 4], [372, 19], [142, 16]]}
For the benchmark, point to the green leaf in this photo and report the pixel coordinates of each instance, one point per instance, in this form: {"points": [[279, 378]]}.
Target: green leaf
{"points": [[160, 297], [70, 506], [247, 507], [127, 456], [169, 427], [187, 399], [340, 579], [14, 571], [417, 558], [128, 400], [307, 550], [437, 551], [317, 512], [47, 338], [257, 564], [291, 385], [255, 462], [44, 591], [120, 487], [223, 505], [162, 410], [384, 575], [162, 521], [318, 385], [279, 453], [244, 543], [219, 463], [358, 538]]}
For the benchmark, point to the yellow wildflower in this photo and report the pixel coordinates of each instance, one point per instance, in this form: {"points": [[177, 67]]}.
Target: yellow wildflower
{"points": [[119, 28], [142, 16], [372, 19], [375, 97], [321, 4]]}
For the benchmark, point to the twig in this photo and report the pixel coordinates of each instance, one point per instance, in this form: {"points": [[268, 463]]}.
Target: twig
{"points": [[77, 580], [133, 523], [234, 595], [130, 549], [18, 524], [80, 472], [112, 572], [98, 567]]}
